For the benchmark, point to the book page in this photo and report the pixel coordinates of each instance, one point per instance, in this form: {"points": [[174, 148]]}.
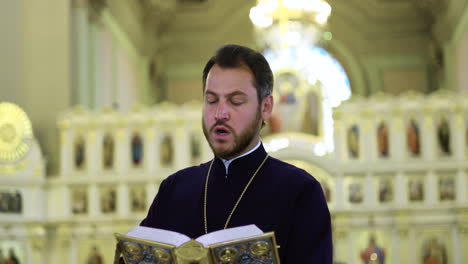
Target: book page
{"points": [[229, 234], [158, 235]]}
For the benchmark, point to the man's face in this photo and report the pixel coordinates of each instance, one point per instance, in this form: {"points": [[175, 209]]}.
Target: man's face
{"points": [[232, 115]]}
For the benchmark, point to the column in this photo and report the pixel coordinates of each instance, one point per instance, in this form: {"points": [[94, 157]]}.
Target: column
{"points": [[413, 258], [397, 137], [351, 250], [123, 206], [66, 202], [341, 246], [340, 142], [370, 187], [456, 251], [428, 136], [430, 189], [339, 198], [37, 200], [80, 55], [395, 246], [364, 140], [150, 148], [35, 248], [401, 190], [461, 186], [28, 198], [370, 143], [94, 200], [98, 148], [122, 147], [157, 145], [66, 151], [181, 144], [457, 134], [95, 69], [92, 158], [405, 248], [74, 244]]}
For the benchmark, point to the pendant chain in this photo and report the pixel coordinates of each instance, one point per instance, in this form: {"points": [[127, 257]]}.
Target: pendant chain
{"points": [[238, 200]]}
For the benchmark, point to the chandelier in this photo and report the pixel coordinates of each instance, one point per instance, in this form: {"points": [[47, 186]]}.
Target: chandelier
{"points": [[281, 24]]}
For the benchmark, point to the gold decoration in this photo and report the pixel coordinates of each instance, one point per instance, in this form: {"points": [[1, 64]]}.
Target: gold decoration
{"points": [[260, 248], [15, 130], [132, 248], [192, 252], [162, 255], [228, 255]]}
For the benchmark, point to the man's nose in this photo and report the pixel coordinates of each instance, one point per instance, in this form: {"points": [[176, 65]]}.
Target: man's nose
{"points": [[222, 112]]}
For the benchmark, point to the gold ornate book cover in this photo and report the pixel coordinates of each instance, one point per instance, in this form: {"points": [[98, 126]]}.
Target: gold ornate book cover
{"points": [[246, 244]]}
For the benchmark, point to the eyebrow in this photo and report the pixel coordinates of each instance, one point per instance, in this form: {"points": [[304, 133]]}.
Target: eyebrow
{"points": [[208, 92]]}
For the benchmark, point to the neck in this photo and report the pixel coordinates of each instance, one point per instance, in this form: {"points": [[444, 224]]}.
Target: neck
{"points": [[227, 162], [244, 153]]}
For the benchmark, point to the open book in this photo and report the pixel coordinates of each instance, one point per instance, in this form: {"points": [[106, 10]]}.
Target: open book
{"points": [[245, 244]]}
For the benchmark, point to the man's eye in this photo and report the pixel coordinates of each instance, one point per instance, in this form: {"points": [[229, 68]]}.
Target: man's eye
{"points": [[210, 100], [237, 101]]}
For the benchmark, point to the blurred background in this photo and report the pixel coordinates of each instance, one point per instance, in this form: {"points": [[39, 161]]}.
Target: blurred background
{"points": [[100, 100]]}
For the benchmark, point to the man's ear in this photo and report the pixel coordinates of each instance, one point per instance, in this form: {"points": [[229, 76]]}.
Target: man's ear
{"points": [[267, 107]]}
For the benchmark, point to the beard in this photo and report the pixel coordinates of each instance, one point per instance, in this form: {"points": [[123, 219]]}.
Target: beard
{"points": [[240, 142]]}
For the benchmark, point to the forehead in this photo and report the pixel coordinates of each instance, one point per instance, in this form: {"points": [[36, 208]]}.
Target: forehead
{"points": [[228, 80]]}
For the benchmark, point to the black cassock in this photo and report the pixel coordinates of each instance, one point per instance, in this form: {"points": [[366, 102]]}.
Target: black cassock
{"points": [[281, 198]]}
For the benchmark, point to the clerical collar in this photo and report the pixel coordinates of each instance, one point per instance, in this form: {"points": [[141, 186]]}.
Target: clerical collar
{"points": [[227, 162]]}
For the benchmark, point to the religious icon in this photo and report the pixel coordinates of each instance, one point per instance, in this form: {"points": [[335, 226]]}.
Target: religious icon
{"points": [[412, 135], [2, 257], [79, 199], [385, 191], [11, 202], [310, 121], [443, 137], [11, 259], [434, 252], [373, 254], [108, 200], [287, 84], [355, 193], [447, 189], [79, 152], [382, 140], [416, 189], [195, 148], [466, 138], [167, 151], [138, 198], [353, 142], [95, 256], [108, 151], [4, 202], [137, 149], [299, 106]]}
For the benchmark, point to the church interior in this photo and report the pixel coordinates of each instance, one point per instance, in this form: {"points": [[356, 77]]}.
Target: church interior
{"points": [[100, 100]]}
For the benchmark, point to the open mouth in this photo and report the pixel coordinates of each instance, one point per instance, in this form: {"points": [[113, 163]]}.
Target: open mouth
{"points": [[221, 131]]}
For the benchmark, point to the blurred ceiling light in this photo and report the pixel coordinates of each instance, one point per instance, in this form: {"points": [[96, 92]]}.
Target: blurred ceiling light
{"points": [[276, 19], [312, 11]]}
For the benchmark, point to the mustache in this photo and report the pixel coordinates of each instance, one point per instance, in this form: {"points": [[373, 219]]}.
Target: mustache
{"points": [[221, 123]]}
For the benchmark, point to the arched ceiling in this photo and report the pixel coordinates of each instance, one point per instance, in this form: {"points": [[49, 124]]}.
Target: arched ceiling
{"points": [[183, 34]]}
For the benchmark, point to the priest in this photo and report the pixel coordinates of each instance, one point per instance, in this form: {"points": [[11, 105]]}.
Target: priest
{"points": [[242, 184]]}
